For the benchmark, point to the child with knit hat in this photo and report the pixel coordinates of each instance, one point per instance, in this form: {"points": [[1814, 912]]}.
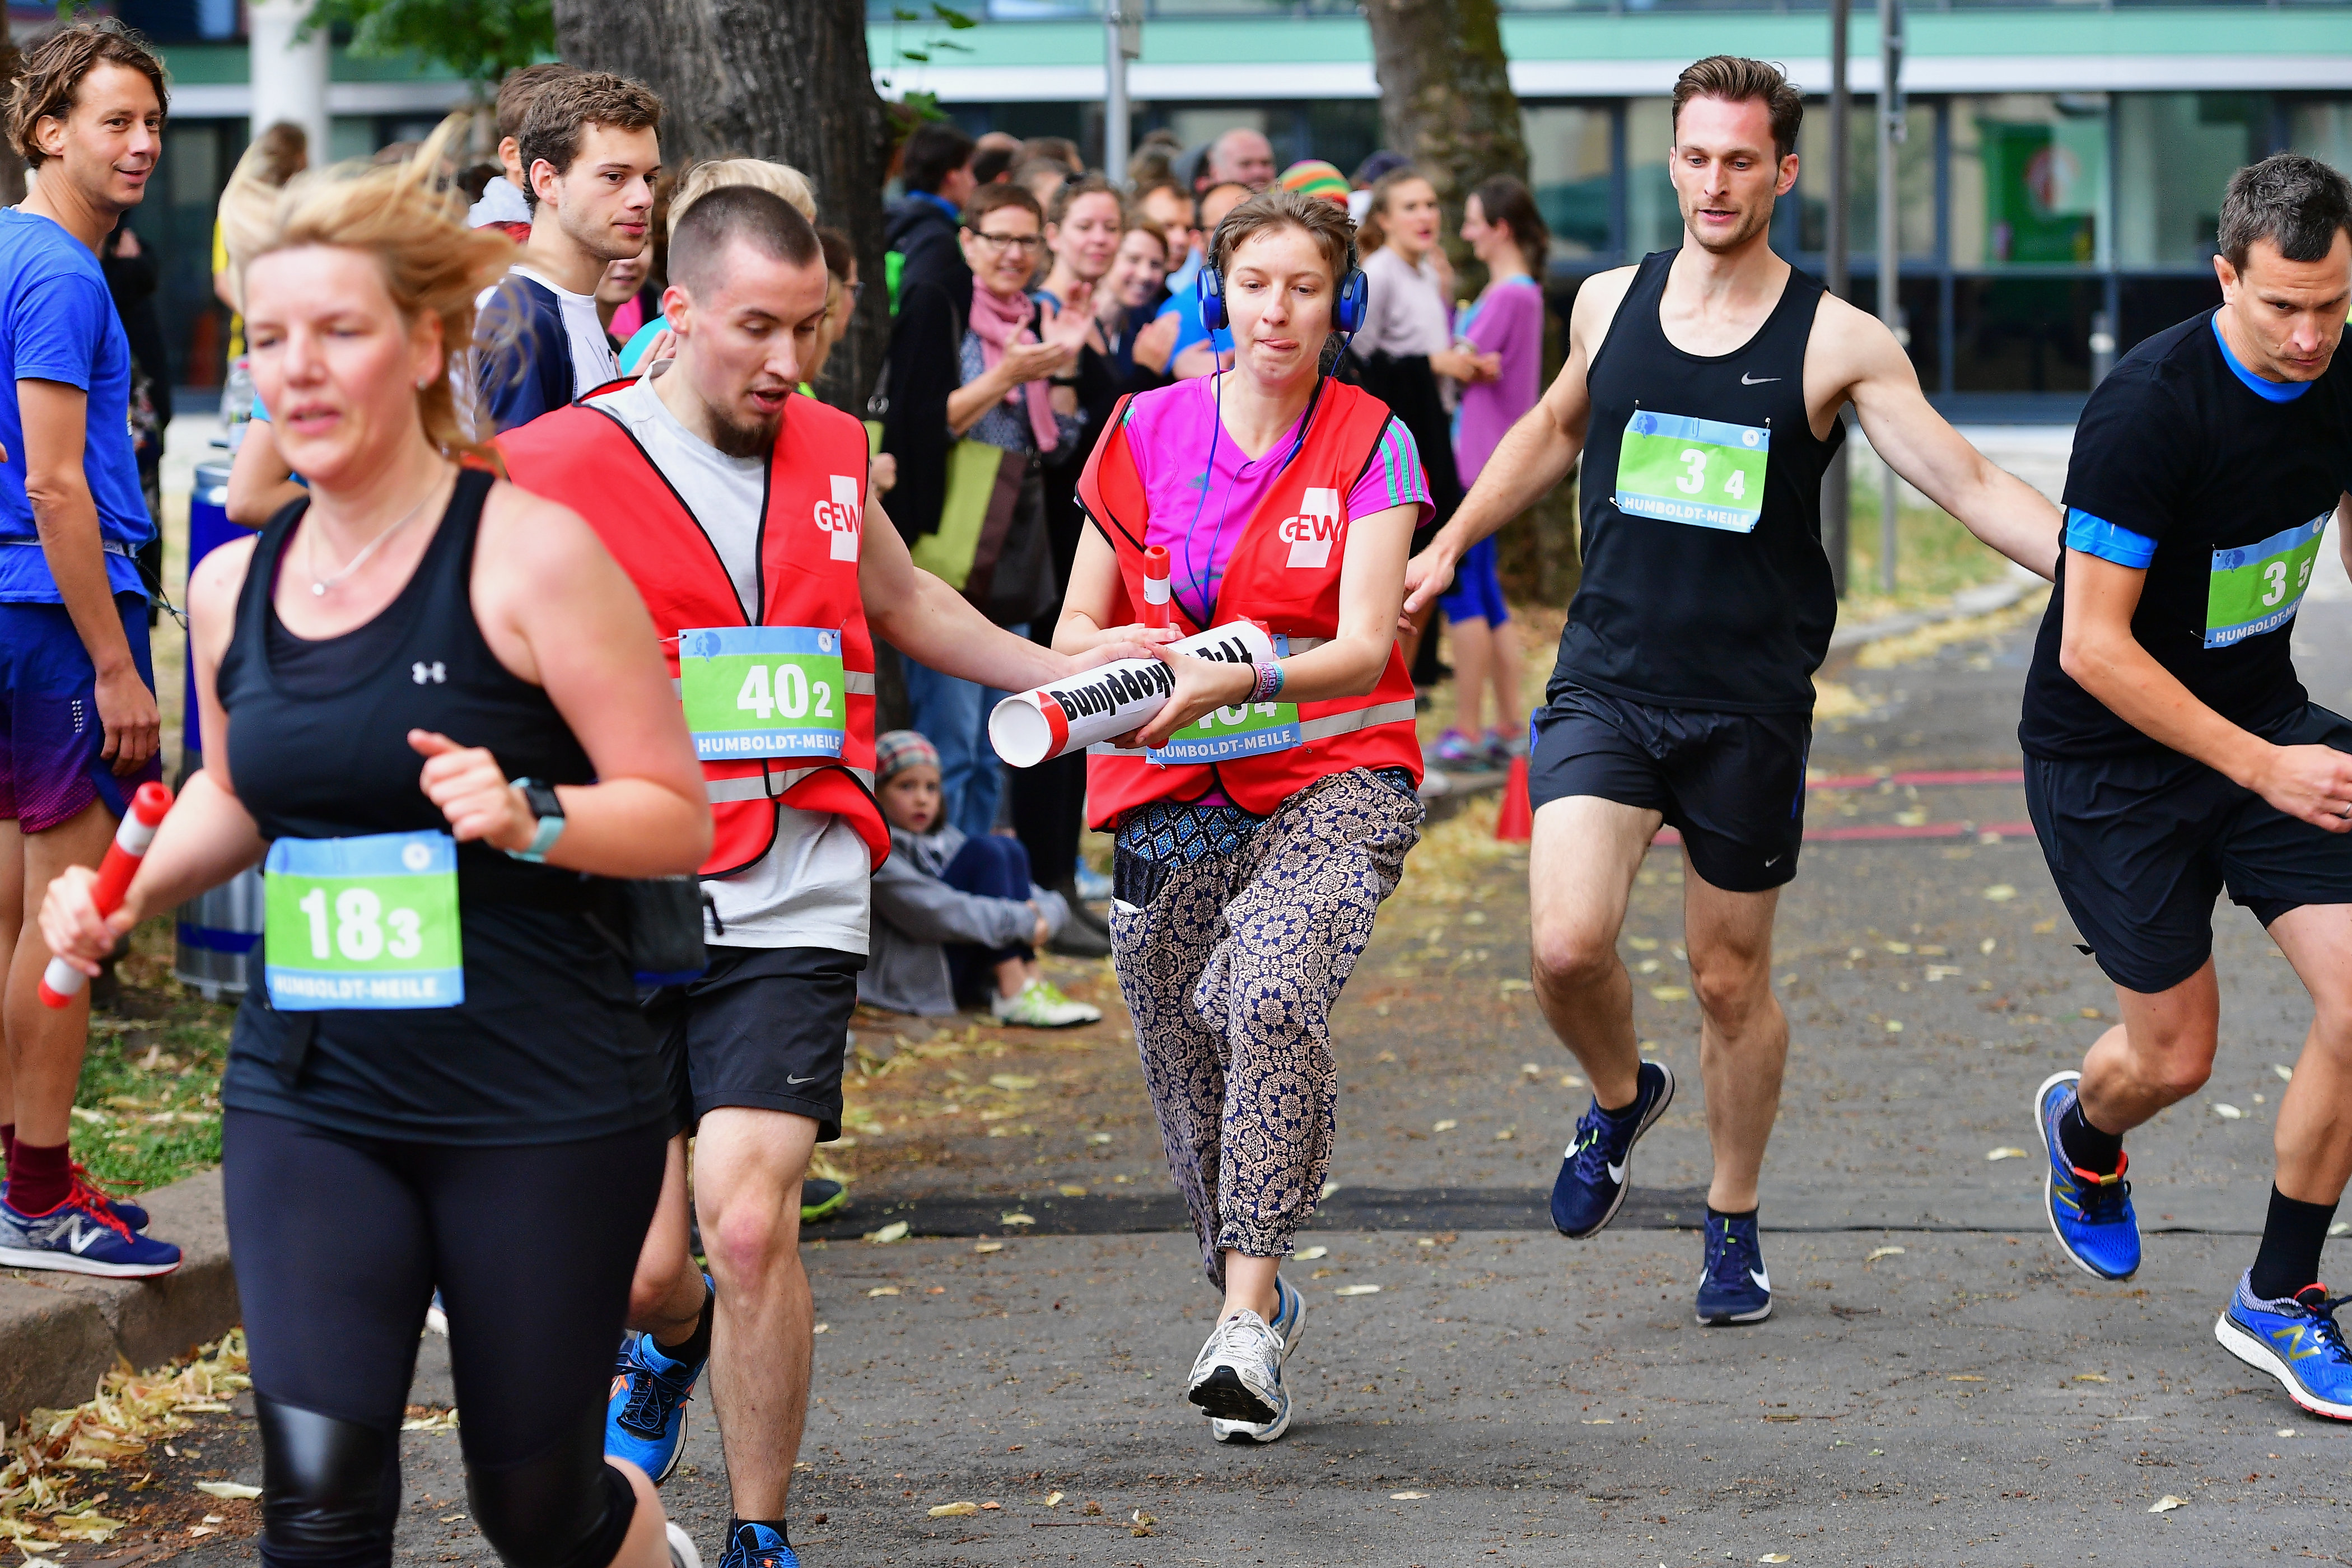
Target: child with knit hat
{"points": [[955, 916]]}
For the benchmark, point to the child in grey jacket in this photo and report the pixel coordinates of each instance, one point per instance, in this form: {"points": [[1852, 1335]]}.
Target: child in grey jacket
{"points": [[955, 917]]}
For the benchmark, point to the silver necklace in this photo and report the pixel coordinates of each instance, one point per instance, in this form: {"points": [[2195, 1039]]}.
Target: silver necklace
{"points": [[319, 585]]}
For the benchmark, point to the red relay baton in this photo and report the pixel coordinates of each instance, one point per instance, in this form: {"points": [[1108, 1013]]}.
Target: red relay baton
{"points": [[1155, 587], [61, 982]]}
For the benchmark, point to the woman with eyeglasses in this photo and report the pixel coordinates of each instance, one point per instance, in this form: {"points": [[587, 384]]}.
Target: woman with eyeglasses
{"points": [[979, 366]]}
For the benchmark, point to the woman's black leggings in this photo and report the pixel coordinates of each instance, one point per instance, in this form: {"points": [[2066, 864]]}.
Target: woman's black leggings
{"points": [[339, 1243]]}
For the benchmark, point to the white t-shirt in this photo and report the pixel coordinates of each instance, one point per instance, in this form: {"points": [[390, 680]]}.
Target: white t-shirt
{"points": [[811, 887], [1406, 314]]}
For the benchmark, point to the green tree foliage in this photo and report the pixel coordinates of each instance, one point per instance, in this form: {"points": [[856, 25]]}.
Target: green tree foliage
{"points": [[481, 41]]}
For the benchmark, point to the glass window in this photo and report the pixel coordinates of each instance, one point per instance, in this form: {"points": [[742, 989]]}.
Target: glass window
{"points": [[1652, 220], [2323, 128], [1914, 176], [2022, 334], [2174, 153], [2028, 178], [1567, 167]]}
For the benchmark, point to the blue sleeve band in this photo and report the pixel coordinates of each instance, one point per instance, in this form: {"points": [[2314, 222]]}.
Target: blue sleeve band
{"points": [[2097, 536]]}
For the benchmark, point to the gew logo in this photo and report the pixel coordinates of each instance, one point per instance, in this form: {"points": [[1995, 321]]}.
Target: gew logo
{"points": [[1309, 534], [838, 517]]}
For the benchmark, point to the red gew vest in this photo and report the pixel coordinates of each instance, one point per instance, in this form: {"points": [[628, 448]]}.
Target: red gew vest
{"points": [[1284, 574], [809, 538]]}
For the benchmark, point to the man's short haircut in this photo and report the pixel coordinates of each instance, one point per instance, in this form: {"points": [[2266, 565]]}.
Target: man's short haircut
{"points": [[989, 198], [2298, 203], [1059, 149], [1173, 189], [521, 86], [1734, 79], [761, 219], [992, 162], [566, 105], [50, 79], [935, 150], [1085, 185]]}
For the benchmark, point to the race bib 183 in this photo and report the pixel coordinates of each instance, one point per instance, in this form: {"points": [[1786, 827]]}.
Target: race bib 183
{"points": [[1698, 471], [761, 692], [367, 922], [2256, 587]]}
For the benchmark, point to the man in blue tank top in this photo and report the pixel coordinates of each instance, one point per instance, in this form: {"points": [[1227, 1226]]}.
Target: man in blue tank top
{"points": [[2171, 750], [1701, 390]]}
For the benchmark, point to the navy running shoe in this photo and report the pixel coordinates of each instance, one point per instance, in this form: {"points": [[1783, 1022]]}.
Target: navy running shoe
{"points": [[645, 1414], [82, 1234], [2091, 1214], [1597, 1168], [126, 1211], [1734, 1287], [2296, 1340], [757, 1546]]}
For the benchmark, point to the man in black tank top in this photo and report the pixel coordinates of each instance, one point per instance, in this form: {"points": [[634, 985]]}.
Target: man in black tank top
{"points": [[1702, 389]]}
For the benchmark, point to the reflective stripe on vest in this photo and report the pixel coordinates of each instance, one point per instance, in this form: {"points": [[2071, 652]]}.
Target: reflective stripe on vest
{"points": [[1321, 729]]}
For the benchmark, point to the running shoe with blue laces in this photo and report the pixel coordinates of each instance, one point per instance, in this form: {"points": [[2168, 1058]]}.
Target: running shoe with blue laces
{"points": [[645, 1414], [83, 1235], [1734, 1287], [1597, 1170], [2296, 1340], [757, 1546], [2091, 1214], [1289, 1325]]}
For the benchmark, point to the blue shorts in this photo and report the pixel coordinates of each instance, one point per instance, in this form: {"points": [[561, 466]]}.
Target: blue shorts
{"points": [[1478, 591], [50, 738]]}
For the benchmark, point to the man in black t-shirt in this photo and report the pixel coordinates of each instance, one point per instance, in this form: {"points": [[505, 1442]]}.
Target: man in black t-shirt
{"points": [[2172, 751]]}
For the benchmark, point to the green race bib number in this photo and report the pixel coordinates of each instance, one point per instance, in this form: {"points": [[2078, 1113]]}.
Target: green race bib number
{"points": [[762, 691], [2255, 588], [1697, 472], [362, 922], [1223, 734]]}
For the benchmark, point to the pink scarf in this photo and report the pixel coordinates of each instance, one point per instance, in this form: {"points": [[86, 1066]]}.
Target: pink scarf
{"points": [[1000, 321]]}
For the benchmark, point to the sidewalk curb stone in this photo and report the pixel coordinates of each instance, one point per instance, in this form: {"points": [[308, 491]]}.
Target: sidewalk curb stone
{"points": [[59, 1333]]}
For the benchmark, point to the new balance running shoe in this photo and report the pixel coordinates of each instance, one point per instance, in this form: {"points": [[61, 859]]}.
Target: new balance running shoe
{"points": [[1238, 1374], [2296, 1340], [1734, 1286], [2090, 1214], [756, 1546], [1289, 1326], [822, 1199], [645, 1414], [129, 1213], [82, 1234], [1597, 1170]]}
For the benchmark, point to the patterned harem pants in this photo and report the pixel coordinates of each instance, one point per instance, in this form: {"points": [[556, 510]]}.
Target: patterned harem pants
{"points": [[1230, 967]]}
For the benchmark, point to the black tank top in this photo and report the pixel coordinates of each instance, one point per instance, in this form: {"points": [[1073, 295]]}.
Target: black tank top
{"points": [[1678, 605], [549, 1046]]}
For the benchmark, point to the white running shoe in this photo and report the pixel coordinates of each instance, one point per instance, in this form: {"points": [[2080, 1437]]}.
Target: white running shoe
{"points": [[1289, 1326], [682, 1553], [1040, 1004]]}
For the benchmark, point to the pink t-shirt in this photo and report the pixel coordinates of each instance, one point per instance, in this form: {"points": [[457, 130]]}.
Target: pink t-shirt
{"points": [[1507, 320], [1200, 504]]}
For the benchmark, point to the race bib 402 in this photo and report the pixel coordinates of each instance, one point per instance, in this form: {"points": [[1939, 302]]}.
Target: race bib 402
{"points": [[762, 691]]}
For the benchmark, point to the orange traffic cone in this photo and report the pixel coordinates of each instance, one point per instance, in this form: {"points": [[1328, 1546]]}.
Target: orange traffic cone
{"points": [[1514, 821]]}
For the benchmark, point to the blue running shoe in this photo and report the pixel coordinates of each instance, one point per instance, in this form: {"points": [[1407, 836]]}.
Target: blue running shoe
{"points": [[1289, 1326], [2295, 1340], [757, 1546], [644, 1414], [2090, 1215], [82, 1234], [1597, 1170], [126, 1211], [1734, 1287]]}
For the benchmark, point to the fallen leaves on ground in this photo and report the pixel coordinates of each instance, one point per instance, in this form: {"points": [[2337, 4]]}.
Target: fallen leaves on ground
{"points": [[2006, 1152], [1357, 1290], [2228, 1112], [1883, 1252], [895, 1231], [1309, 1254], [1406, 1497], [2000, 893], [988, 1246], [227, 1489], [954, 1509], [2167, 1503]]}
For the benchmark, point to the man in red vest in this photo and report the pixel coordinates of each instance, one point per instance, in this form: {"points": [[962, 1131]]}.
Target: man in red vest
{"points": [[741, 510]]}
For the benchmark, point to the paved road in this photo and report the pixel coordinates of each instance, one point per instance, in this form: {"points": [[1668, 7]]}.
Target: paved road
{"points": [[1937, 1385]]}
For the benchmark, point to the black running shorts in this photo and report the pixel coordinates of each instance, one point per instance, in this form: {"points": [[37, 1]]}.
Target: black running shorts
{"points": [[1733, 785], [764, 1027], [2140, 846]]}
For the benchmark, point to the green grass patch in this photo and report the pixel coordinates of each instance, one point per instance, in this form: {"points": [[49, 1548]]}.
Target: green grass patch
{"points": [[1935, 557], [147, 1113]]}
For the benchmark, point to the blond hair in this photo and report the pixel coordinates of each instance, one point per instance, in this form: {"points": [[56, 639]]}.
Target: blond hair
{"points": [[717, 174], [412, 219]]}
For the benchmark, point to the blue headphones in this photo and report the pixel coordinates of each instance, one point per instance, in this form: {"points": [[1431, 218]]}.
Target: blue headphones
{"points": [[1347, 313]]}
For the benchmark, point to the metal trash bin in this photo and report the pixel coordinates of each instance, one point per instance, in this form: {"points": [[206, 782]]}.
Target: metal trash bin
{"points": [[215, 936]]}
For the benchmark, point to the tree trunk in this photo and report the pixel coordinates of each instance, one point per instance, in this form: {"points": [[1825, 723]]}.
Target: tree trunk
{"points": [[1446, 102], [782, 79]]}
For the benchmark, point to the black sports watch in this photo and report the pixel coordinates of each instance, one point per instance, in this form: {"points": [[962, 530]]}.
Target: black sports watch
{"points": [[548, 809]]}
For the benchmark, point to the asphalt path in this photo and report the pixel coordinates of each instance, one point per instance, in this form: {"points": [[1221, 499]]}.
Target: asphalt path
{"points": [[1937, 1384]]}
